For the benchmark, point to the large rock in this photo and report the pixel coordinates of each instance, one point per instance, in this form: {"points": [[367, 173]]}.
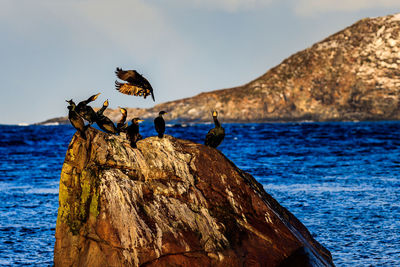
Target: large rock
{"points": [[170, 202]]}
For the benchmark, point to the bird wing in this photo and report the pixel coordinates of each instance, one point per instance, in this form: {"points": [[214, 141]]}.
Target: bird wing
{"points": [[136, 80], [209, 137], [132, 77], [128, 89], [159, 124], [122, 127], [125, 74]]}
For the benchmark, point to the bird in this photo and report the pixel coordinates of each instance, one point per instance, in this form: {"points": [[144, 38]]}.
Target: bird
{"points": [[85, 111], [159, 124], [132, 132], [121, 125], [75, 119], [137, 85], [104, 122], [215, 136]]}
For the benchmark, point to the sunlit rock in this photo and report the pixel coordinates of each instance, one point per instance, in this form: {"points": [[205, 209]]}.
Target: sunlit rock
{"points": [[170, 202]]}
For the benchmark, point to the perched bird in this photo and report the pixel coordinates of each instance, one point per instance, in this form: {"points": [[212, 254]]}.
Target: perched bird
{"points": [[132, 132], [159, 124], [121, 125], [104, 122], [215, 136], [75, 119], [137, 85], [86, 111]]}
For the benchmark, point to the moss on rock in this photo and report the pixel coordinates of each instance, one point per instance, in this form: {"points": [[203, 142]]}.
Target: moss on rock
{"points": [[78, 193]]}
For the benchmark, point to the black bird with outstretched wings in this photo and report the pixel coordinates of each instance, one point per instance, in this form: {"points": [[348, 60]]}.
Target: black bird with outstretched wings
{"points": [[136, 84]]}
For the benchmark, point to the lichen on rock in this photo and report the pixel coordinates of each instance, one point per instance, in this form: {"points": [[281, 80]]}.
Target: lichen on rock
{"points": [[170, 202]]}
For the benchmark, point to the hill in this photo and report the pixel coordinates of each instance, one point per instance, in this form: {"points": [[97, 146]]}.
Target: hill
{"points": [[351, 75]]}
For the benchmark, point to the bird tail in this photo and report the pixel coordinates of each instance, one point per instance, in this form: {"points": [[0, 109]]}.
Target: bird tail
{"points": [[161, 135]]}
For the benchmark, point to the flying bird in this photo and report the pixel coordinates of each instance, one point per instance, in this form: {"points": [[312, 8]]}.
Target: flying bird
{"points": [[136, 84]]}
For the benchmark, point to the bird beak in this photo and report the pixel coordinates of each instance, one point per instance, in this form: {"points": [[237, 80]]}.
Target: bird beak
{"points": [[96, 96], [140, 120]]}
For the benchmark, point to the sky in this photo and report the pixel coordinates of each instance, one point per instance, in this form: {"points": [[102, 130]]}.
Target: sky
{"points": [[53, 50]]}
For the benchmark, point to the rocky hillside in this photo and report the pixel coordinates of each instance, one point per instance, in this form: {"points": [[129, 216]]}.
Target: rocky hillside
{"points": [[170, 202], [351, 75]]}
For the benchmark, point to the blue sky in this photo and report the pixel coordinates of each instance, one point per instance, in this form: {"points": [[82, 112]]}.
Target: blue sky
{"points": [[52, 50]]}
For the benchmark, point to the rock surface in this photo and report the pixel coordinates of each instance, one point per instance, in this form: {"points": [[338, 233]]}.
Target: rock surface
{"points": [[170, 202]]}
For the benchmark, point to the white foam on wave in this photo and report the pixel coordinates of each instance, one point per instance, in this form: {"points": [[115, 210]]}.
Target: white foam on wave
{"points": [[43, 191], [7, 186], [4, 262], [51, 124], [317, 188]]}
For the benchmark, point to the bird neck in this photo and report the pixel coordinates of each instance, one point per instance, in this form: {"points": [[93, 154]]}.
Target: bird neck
{"points": [[87, 101], [100, 111], [123, 119], [216, 122]]}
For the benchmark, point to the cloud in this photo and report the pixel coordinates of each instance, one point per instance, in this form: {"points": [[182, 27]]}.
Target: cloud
{"points": [[225, 5], [299, 7], [311, 7], [132, 25]]}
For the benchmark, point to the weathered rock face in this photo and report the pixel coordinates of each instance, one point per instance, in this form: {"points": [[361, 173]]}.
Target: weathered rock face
{"points": [[170, 202]]}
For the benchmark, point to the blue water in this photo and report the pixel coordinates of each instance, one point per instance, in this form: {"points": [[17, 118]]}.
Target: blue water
{"points": [[340, 179]]}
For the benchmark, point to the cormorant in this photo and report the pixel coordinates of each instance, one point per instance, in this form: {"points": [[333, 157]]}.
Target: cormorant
{"points": [[132, 132], [104, 122], [215, 136], [121, 125], [86, 111], [159, 124], [137, 85], [75, 119]]}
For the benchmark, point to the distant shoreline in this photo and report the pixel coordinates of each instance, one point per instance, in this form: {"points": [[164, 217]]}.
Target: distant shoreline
{"points": [[64, 121]]}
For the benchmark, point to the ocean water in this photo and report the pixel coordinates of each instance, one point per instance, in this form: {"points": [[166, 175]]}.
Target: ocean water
{"points": [[340, 179]]}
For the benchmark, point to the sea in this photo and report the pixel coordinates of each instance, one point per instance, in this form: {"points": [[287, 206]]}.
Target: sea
{"points": [[341, 180]]}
